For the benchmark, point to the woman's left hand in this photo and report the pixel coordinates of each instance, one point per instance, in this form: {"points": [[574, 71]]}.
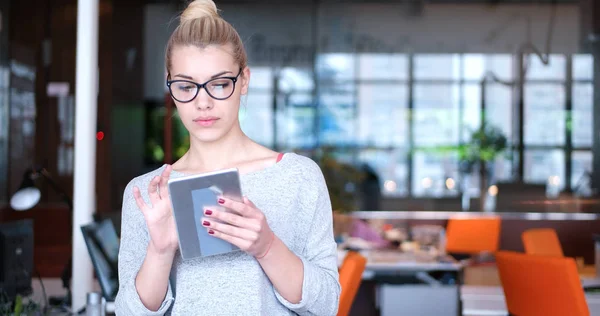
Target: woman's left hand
{"points": [[246, 227]]}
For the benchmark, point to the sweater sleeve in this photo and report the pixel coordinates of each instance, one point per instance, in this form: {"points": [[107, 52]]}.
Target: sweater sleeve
{"points": [[132, 252], [320, 286]]}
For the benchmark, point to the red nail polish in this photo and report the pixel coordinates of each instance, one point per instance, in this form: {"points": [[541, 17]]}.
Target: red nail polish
{"points": [[208, 212], [221, 201], [212, 232], [205, 223]]}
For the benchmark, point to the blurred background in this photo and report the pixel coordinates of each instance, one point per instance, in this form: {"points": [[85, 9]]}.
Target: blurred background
{"points": [[416, 110]]}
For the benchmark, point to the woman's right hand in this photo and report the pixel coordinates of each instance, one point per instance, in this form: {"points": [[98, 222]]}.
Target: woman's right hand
{"points": [[158, 215]]}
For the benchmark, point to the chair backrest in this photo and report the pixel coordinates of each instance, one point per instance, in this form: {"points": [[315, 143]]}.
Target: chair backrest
{"points": [[541, 285], [542, 241], [473, 235], [351, 273], [103, 243]]}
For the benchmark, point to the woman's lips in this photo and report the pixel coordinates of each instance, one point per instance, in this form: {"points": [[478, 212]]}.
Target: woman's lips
{"points": [[206, 121]]}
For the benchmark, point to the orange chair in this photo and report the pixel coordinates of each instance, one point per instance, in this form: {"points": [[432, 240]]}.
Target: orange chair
{"points": [[473, 235], [541, 285], [542, 241], [351, 273]]}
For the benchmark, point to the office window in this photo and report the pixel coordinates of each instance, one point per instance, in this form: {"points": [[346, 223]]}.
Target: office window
{"points": [[65, 150], [471, 111], [261, 78], [582, 119], [499, 109], [537, 70], [335, 67], [337, 124], [583, 67], [544, 114], [475, 66], [391, 167], [256, 117], [440, 67], [436, 114], [431, 172], [382, 114], [581, 171], [540, 165], [505, 167], [383, 66], [296, 80], [296, 122], [256, 114], [363, 106]]}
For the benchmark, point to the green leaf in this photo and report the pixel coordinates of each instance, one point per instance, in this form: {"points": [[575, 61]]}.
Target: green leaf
{"points": [[18, 305]]}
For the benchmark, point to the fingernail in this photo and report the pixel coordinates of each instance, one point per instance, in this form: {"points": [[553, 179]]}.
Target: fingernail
{"points": [[206, 223], [221, 201], [208, 212], [212, 232]]}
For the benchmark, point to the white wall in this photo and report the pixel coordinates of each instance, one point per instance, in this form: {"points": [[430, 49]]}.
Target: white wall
{"points": [[271, 32]]}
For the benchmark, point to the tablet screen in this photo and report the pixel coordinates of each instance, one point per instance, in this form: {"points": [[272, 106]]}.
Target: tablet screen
{"points": [[209, 245], [190, 196]]}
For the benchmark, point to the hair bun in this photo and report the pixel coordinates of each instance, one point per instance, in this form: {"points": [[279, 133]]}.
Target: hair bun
{"points": [[199, 9]]}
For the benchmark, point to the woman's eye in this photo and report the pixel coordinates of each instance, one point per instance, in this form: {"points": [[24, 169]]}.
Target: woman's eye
{"points": [[186, 88]]}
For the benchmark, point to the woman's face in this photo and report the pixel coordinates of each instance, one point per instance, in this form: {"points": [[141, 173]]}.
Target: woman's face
{"points": [[207, 119]]}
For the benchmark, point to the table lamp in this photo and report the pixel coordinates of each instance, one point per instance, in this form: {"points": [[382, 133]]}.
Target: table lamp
{"points": [[27, 196]]}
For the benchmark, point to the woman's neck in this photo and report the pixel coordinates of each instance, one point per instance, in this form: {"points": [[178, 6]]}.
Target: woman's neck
{"points": [[224, 153]]}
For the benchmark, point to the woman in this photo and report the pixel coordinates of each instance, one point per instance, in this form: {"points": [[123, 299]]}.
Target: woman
{"points": [[284, 225]]}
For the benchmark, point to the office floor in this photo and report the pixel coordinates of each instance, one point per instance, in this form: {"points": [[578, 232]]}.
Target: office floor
{"points": [[477, 300], [53, 288]]}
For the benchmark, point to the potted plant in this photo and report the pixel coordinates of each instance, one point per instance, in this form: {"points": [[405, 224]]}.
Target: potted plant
{"points": [[342, 180], [485, 145]]}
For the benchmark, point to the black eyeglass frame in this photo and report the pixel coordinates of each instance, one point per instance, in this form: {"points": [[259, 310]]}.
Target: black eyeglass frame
{"points": [[199, 86]]}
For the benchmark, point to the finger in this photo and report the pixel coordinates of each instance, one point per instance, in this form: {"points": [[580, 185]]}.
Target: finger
{"points": [[138, 199], [233, 219], [238, 207], [227, 229], [164, 179], [248, 202], [240, 243], [153, 190]]}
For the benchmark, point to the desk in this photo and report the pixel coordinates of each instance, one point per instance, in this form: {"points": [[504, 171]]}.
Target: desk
{"points": [[408, 282], [575, 230]]}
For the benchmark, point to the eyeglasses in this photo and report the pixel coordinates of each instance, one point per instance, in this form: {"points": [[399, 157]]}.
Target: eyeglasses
{"points": [[185, 91]]}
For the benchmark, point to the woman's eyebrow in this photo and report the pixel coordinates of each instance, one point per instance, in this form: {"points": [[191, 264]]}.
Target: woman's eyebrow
{"points": [[221, 73], [212, 77], [184, 76]]}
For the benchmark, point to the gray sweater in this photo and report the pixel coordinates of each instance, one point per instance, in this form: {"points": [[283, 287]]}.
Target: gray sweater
{"points": [[294, 198]]}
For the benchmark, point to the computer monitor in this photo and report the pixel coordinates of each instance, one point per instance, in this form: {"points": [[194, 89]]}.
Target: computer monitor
{"points": [[16, 253], [102, 243]]}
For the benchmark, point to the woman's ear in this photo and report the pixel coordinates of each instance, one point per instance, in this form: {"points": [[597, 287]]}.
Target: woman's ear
{"points": [[245, 80]]}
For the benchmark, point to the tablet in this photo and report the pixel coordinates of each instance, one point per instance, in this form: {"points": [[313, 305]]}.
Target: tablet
{"points": [[189, 196]]}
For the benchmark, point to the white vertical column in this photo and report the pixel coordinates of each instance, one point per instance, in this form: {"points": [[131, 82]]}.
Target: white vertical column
{"points": [[84, 196]]}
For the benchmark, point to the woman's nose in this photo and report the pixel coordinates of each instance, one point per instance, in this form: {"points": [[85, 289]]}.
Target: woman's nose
{"points": [[203, 100]]}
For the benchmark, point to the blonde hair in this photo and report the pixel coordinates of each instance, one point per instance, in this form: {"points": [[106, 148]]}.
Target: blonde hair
{"points": [[201, 25]]}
